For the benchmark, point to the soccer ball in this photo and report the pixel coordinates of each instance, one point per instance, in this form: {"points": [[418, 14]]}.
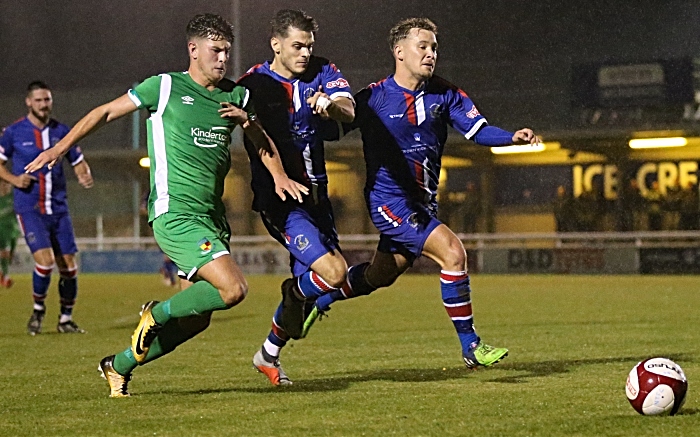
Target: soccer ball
{"points": [[656, 386]]}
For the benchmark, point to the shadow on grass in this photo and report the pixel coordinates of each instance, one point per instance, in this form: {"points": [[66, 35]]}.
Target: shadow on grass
{"points": [[533, 370], [340, 382], [553, 367]]}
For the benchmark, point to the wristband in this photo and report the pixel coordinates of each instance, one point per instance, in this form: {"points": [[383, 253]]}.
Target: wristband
{"points": [[323, 103]]}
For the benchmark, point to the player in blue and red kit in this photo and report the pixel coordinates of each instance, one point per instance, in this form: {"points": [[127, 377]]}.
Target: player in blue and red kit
{"points": [[40, 204], [296, 96], [403, 120]]}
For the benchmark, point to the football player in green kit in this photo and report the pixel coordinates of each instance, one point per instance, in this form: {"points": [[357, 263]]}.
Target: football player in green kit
{"points": [[192, 114], [9, 231]]}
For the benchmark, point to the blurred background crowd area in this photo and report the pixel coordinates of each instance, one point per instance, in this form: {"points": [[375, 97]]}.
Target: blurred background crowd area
{"points": [[590, 78]]}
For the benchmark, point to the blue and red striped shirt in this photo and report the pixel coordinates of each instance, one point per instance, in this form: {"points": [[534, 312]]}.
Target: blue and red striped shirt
{"points": [[281, 107], [404, 134], [22, 142]]}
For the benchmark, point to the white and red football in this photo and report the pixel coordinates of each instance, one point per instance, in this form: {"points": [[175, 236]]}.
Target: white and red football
{"points": [[656, 386]]}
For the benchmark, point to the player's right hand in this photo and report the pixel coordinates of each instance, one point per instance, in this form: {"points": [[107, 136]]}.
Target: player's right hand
{"points": [[48, 156], [233, 112], [320, 102], [23, 181], [285, 185]]}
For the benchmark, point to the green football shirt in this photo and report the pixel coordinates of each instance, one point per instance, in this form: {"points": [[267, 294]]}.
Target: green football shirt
{"points": [[188, 142]]}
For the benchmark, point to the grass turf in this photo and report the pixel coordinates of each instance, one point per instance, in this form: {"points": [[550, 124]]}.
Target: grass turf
{"points": [[388, 364]]}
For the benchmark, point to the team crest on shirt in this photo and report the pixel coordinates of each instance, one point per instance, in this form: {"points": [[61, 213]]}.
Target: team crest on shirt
{"points": [[416, 136], [301, 242], [308, 93], [435, 110], [205, 246], [413, 220]]}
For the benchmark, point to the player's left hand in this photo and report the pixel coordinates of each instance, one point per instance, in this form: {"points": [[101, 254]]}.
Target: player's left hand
{"points": [[233, 112], [285, 185], [85, 179], [525, 136], [320, 102], [48, 156]]}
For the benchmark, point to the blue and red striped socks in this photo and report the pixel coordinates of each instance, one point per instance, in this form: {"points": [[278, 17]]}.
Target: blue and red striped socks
{"points": [[456, 296], [276, 339], [41, 279]]}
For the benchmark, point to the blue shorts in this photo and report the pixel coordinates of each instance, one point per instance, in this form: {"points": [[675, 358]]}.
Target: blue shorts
{"points": [[307, 233], [42, 231], [404, 226]]}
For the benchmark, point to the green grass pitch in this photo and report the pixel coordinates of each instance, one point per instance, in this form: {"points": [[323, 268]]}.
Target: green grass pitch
{"points": [[388, 364]]}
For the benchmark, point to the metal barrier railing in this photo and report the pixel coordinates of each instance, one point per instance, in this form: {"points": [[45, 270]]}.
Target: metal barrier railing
{"points": [[471, 241]]}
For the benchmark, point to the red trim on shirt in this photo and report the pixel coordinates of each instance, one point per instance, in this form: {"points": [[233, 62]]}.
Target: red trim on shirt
{"points": [[420, 174], [37, 139], [290, 95], [411, 106], [42, 193]]}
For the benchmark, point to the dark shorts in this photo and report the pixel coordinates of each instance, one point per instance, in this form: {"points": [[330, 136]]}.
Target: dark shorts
{"points": [[404, 226], [42, 231], [307, 233]]}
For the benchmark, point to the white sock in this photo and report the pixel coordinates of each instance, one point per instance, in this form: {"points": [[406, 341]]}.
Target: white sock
{"points": [[271, 349], [65, 318]]}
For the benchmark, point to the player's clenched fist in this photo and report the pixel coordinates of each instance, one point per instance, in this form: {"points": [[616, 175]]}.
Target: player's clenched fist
{"points": [[320, 102], [525, 136]]}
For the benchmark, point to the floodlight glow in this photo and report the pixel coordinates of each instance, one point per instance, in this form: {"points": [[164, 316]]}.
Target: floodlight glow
{"points": [[526, 148], [145, 162], [651, 143]]}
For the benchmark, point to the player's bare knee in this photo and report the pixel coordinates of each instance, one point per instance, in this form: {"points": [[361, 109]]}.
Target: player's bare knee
{"points": [[455, 258], [234, 294], [336, 276]]}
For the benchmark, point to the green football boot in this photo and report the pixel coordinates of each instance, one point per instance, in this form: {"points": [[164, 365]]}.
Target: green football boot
{"points": [[484, 355], [314, 314]]}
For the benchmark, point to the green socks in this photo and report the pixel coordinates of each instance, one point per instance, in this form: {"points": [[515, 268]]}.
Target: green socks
{"points": [[5, 265], [171, 335], [124, 362], [199, 298]]}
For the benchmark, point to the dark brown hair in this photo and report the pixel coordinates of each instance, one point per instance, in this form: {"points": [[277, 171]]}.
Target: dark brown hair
{"points": [[210, 26], [403, 28], [296, 18], [37, 85]]}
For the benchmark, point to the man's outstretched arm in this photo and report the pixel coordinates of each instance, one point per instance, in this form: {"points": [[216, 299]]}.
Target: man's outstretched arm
{"points": [[266, 150], [95, 119], [270, 157]]}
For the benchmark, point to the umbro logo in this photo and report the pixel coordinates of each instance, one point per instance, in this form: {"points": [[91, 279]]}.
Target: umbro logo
{"points": [[187, 100]]}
